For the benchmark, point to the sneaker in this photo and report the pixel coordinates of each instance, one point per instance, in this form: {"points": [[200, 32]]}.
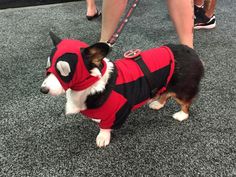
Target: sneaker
{"points": [[203, 22]]}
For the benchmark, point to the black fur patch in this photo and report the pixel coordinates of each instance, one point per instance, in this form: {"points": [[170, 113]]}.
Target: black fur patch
{"points": [[187, 74]]}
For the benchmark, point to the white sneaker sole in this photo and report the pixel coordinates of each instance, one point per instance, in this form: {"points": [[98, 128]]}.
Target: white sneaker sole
{"points": [[205, 27]]}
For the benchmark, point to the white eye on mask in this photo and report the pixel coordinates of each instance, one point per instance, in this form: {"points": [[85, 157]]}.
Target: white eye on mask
{"points": [[49, 60], [64, 68], [48, 63]]}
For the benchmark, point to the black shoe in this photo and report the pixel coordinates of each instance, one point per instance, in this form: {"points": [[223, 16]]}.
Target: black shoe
{"points": [[98, 13], [203, 22]]}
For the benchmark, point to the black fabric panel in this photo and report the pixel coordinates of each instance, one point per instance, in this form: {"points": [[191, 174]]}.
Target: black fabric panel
{"points": [[160, 76], [139, 90], [146, 72], [122, 115], [135, 92]]}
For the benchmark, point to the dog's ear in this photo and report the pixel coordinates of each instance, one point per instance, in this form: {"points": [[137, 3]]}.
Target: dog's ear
{"points": [[55, 39], [96, 52], [64, 68]]}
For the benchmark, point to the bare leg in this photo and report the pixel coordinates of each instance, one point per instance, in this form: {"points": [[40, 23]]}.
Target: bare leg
{"points": [[182, 14], [112, 11], [91, 7], [210, 7], [199, 3]]}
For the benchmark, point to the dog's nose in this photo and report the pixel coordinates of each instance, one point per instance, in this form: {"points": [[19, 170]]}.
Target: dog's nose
{"points": [[44, 90]]}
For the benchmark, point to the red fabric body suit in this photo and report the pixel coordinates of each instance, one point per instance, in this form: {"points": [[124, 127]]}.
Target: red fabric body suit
{"points": [[131, 88]]}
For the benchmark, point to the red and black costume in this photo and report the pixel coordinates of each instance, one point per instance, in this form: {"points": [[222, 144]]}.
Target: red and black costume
{"points": [[131, 88]]}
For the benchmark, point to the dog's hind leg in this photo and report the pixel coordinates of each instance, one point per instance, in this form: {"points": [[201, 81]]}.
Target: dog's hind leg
{"points": [[160, 101], [184, 113]]}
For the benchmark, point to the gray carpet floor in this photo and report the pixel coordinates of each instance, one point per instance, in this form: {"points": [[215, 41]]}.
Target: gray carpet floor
{"points": [[38, 140]]}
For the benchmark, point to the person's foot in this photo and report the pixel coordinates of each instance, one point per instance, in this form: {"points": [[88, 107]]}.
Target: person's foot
{"points": [[96, 15], [201, 21], [204, 22]]}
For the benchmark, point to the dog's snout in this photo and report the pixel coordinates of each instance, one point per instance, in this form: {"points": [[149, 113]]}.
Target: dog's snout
{"points": [[44, 90]]}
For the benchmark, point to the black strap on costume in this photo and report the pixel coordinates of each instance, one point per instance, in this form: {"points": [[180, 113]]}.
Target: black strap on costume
{"points": [[147, 75]]}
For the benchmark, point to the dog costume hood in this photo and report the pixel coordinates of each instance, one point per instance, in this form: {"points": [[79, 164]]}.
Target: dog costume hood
{"points": [[68, 52]]}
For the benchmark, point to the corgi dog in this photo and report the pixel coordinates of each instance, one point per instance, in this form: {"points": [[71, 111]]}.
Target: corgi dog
{"points": [[107, 91]]}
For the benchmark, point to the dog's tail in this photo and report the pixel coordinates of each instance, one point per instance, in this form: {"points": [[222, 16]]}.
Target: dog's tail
{"points": [[187, 74]]}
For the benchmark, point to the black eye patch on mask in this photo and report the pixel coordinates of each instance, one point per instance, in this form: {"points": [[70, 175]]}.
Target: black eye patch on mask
{"points": [[71, 59]]}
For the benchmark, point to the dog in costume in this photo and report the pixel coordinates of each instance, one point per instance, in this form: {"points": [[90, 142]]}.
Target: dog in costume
{"points": [[108, 91]]}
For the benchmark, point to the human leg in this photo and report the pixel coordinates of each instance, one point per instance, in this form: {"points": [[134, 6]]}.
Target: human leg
{"points": [[209, 7], [112, 11], [91, 7], [182, 15], [199, 3], [92, 11], [181, 12]]}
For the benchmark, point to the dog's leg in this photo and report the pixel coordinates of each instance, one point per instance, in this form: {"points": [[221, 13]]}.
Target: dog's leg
{"points": [[71, 107], [103, 138], [75, 102], [160, 100], [96, 120], [184, 113]]}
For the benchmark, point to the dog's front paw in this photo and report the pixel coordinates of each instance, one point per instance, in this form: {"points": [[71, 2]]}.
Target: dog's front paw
{"points": [[180, 116], [103, 138], [156, 105]]}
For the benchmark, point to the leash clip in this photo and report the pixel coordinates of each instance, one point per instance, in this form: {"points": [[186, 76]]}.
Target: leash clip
{"points": [[132, 53]]}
